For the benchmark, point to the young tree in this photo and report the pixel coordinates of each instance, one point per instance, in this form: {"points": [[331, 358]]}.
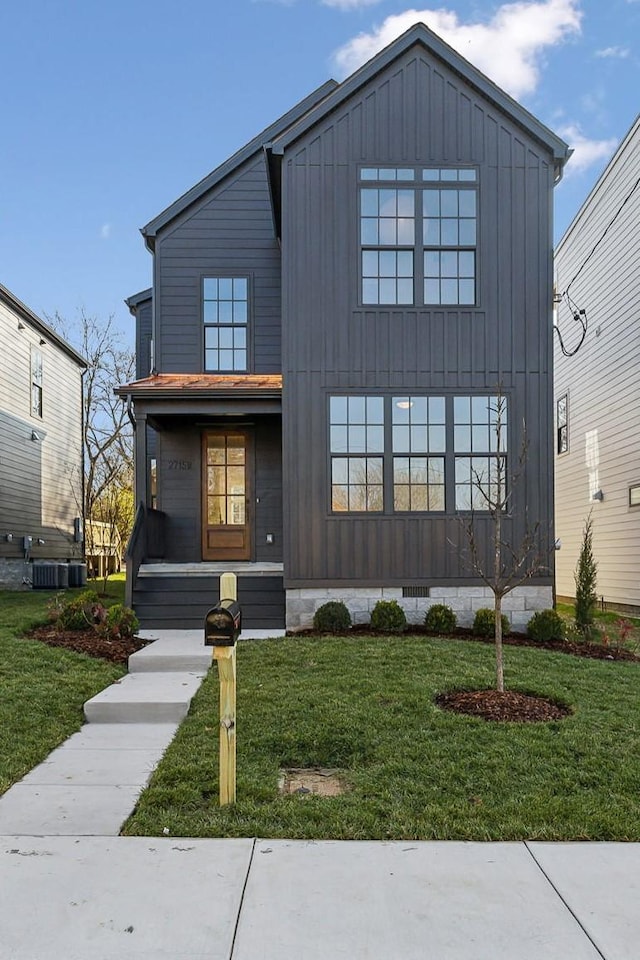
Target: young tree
{"points": [[585, 578], [506, 565], [107, 430]]}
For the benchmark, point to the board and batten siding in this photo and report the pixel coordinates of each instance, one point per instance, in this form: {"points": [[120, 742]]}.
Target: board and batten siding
{"points": [[601, 381], [180, 492], [414, 112], [40, 480], [230, 233]]}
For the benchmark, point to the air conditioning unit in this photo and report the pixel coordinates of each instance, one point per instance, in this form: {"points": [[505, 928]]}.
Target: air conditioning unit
{"points": [[44, 576]]}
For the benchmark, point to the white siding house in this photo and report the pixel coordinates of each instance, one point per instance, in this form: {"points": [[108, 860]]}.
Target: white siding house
{"points": [[40, 443], [597, 390]]}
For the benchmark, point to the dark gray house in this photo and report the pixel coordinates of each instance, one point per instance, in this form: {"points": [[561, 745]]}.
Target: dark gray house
{"points": [[40, 444], [332, 311]]}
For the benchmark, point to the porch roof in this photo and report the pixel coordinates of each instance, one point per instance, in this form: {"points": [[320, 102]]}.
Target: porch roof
{"points": [[165, 385]]}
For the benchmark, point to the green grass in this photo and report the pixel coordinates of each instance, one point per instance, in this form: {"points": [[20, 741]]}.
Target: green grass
{"points": [[42, 689], [365, 706]]}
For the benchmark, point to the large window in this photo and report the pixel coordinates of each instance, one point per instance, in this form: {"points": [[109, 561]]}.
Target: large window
{"points": [[418, 236], [225, 315], [417, 453], [36, 382]]}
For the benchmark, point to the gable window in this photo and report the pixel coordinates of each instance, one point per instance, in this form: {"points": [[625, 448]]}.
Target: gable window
{"points": [[36, 382], [418, 239], [225, 315], [562, 424], [417, 453], [356, 428]]}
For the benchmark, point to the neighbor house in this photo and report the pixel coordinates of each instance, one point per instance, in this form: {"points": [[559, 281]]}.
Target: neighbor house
{"points": [[333, 311], [40, 443], [597, 388]]}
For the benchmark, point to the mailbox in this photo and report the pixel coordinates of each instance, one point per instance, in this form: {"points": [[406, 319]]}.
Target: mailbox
{"points": [[222, 624]]}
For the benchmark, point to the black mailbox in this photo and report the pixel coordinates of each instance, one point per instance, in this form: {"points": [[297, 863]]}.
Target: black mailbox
{"points": [[222, 624]]}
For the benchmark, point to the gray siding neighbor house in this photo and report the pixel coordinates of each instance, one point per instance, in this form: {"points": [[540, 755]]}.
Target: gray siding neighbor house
{"points": [[597, 388], [40, 443], [333, 312]]}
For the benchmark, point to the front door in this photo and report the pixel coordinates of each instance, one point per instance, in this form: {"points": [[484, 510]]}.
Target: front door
{"points": [[226, 529]]}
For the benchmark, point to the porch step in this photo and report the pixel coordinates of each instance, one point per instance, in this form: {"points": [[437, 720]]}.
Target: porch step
{"points": [[172, 601], [159, 697]]}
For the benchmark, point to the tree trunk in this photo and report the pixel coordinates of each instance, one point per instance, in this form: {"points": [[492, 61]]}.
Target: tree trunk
{"points": [[498, 637]]}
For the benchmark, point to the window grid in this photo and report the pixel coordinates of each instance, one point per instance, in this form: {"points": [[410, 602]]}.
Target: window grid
{"points": [[225, 315], [413, 443], [442, 250], [480, 431]]}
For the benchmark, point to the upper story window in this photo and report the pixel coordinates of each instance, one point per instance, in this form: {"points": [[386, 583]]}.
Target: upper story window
{"points": [[562, 424], [418, 239], [36, 382], [225, 314]]}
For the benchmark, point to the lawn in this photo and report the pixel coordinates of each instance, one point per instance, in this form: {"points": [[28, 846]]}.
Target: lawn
{"points": [[42, 689], [364, 705]]}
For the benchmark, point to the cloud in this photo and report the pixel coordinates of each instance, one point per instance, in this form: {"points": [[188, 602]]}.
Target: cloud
{"points": [[586, 152], [618, 53], [507, 48], [105, 231], [349, 4]]}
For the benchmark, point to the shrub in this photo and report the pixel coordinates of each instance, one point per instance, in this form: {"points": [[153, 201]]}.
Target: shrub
{"points": [[546, 625], [585, 578], [332, 617], [388, 615], [484, 623], [121, 622], [81, 612], [440, 619]]}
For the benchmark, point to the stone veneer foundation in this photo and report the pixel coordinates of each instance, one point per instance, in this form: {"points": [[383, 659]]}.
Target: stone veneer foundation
{"points": [[518, 606], [12, 573]]}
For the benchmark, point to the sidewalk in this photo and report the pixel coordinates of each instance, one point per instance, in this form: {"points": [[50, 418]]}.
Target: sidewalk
{"points": [[72, 889]]}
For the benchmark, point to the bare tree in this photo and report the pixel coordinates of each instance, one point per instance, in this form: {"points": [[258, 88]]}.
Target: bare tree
{"points": [[506, 565], [107, 431]]}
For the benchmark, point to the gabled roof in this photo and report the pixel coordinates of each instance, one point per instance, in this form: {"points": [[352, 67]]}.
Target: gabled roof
{"points": [[136, 299], [150, 231], [42, 328], [435, 45]]}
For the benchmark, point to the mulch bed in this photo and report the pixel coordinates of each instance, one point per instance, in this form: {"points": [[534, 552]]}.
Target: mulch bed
{"points": [[593, 651], [508, 706], [89, 642]]}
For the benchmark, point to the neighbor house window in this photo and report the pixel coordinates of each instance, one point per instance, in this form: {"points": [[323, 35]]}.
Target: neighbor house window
{"points": [[480, 447], [562, 424], [417, 453], [418, 432], [356, 441], [225, 315], [634, 495], [36, 382], [418, 236]]}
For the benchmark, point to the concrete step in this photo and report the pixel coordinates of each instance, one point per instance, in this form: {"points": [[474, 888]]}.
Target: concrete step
{"points": [[162, 697], [183, 650]]}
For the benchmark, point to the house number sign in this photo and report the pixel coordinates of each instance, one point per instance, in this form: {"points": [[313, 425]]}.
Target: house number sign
{"points": [[180, 464]]}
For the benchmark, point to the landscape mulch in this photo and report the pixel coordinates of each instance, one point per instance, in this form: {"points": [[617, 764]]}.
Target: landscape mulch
{"points": [[89, 642], [508, 706]]}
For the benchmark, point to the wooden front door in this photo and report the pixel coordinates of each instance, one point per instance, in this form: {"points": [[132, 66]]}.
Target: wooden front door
{"points": [[226, 528]]}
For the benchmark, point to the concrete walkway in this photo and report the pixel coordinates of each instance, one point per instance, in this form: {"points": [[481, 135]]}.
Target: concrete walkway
{"points": [[71, 888]]}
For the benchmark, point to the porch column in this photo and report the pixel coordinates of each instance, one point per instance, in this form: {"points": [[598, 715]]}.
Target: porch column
{"points": [[141, 471]]}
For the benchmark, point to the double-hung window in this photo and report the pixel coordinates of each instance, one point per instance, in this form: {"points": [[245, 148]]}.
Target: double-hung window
{"points": [[562, 424], [356, 444], [480, 447], [419, 445], [418, 235], [226, 316]]}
